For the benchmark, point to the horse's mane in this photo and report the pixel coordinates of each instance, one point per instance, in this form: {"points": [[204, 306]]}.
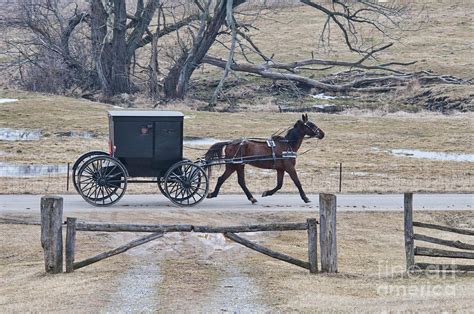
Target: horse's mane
{"points": [[291, 136]]}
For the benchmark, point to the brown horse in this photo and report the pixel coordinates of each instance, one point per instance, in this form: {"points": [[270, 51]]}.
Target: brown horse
{"points": [[254, 149]]}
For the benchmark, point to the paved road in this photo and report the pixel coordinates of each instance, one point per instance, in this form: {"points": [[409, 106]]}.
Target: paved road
{"points": [[282, 202]]}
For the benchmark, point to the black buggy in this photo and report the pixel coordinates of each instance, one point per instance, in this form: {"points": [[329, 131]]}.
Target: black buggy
{"points": [[144, 147]]}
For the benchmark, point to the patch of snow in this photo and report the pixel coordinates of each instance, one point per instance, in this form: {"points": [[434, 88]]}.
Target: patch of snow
{"points": [[323, 96], [7, 100]]}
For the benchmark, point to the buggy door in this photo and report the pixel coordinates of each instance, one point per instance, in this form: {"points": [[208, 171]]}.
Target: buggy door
{"points": [[132, 141], [168, 143]]}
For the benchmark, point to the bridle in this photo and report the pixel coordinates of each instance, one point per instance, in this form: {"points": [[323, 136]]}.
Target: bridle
{"points": [[316, 130]]}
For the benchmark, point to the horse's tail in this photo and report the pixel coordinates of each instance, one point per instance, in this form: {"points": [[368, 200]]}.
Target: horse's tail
{"points": [[216, 151]]}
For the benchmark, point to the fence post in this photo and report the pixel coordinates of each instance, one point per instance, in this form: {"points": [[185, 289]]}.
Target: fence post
{"points": [[313, 245], [51, 233], [70, 243], [327, 212], [408, 227], [340, 177]]}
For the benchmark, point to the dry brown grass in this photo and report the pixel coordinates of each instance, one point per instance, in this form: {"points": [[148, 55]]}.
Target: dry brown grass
{"points": [[195, 274], [439, 38], [351, 138]]}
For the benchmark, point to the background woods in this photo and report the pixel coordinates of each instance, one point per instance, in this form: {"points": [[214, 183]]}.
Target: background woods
{"points": [[111, 47]]}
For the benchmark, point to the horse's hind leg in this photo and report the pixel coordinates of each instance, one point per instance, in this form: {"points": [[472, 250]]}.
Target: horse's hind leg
{"points": [[294, 176], [280, 174], [229, 169], [241, 180]]}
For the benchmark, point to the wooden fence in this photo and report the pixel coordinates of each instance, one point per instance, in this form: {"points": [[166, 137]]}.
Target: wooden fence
{"points": [[412, 250], [51, 236]]}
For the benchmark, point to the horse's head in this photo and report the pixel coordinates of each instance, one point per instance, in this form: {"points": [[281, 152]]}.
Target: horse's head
{"points": [[309, 128]]}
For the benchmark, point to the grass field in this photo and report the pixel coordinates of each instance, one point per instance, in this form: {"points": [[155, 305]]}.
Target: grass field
{"points": [[194, 273], [362, 142], [205, 273]]}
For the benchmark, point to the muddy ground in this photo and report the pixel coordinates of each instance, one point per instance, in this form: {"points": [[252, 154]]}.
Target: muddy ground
{"points": [[206, 273]]}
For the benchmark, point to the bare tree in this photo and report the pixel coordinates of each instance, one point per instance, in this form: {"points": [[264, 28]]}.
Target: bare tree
{"points": [[100, 45], [176, 82]]}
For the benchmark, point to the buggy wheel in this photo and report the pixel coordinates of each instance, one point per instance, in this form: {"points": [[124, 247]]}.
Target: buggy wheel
{"points": [[161, 186], [186, 184], [102, 180], [161, 180], [80, 161]]}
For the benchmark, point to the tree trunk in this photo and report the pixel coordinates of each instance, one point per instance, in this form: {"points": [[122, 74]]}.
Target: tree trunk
{"points": [[100, 46], [112, 53], [120, 67], [176, 82]]}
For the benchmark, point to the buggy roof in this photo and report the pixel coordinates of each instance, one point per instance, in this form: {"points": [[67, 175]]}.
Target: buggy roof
{"points": [[145, 113]]}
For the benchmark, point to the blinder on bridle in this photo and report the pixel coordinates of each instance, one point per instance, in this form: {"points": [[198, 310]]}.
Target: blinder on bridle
{"points": [[312, 129]]}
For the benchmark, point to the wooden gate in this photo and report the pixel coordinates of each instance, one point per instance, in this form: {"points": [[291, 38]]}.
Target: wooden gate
{"points": [[51, 236]]}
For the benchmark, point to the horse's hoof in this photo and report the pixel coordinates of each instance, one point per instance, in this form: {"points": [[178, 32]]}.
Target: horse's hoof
{"points": [[264, 194], [253, 200], [210, 195], [306, 200]]}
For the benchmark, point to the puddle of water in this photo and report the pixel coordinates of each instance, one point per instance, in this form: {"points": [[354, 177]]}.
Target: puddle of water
{"points": [[81, 134], [199, 141], [7, 100], [7, 134], [413, 153], [34, 170]]}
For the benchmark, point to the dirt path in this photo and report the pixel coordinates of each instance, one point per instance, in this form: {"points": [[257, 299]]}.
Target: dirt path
{"points": [[136, 290], [184, 272]]}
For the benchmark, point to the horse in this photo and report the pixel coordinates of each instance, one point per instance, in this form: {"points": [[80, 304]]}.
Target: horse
{"points": [[251, 150]]}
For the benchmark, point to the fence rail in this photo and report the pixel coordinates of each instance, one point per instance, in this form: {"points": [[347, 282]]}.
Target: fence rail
{"points": [[51, 237], [159, 230], [411, 250]]}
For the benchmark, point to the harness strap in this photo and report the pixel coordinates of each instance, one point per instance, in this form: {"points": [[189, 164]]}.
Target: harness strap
{"points": [[239, 150], [271, 144]]}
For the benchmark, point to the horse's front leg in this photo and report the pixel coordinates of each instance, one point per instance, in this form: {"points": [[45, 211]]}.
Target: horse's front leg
{"points": [[227, 173], [280, 175], [294, 176], [241, 180]]}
